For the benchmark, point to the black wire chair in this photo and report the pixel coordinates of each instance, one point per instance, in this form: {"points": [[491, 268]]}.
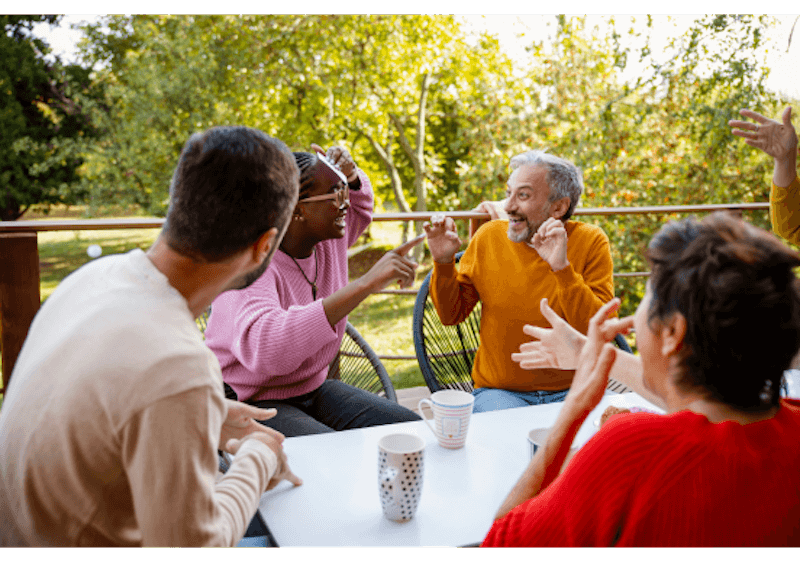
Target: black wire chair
{"points": [[446, 353], [358, 365]]}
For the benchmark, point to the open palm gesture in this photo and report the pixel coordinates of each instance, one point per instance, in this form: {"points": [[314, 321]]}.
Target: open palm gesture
{"points": [[776, 138], [596, 359]]}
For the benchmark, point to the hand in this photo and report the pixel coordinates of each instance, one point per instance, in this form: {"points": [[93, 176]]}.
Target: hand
{"points": [[443, 240], [779, 140], [241, 421], [595, 361], [550, 241], [494, 208], [340, 158], [558, 347], [394, 266], [283, 471]]}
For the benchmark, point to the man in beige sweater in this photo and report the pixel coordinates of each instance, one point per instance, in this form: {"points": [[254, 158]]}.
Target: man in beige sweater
{"points": [[111, 423]]}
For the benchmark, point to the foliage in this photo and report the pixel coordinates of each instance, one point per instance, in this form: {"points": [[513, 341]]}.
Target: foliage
{"points": [[43, 118], [433, 116], [372, 83], [662, 140]]}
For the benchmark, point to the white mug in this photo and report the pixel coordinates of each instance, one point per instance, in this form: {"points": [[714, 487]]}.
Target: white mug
{"points": [[537, 438], [401, 466], [451, 413]]}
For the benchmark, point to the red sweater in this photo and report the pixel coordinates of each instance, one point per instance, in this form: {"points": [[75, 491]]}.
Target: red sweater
{"points": [[677, 480]]}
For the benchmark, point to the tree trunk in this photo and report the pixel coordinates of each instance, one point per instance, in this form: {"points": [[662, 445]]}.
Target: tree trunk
{"points": [[385, 154], [417, 155]]}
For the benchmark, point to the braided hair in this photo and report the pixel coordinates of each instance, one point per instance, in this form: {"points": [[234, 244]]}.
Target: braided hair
{"points": [[306, 163]]}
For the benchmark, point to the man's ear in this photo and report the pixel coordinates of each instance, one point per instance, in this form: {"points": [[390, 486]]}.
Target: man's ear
{"points": [[559, 208], [672, 333], [264, 245]]}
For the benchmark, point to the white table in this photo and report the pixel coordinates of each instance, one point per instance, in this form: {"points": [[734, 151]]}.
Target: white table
{"points": [[338, 504]]}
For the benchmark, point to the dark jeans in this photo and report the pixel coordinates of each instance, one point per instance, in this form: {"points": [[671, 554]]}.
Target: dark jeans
{"points": [[333, 406]]}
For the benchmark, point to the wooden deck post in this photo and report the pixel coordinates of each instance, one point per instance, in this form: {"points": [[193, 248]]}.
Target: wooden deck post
{"points": [[19, 294]]}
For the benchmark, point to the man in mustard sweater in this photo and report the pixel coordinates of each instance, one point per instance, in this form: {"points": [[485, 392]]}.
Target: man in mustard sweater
{"points": [[510, 265]]}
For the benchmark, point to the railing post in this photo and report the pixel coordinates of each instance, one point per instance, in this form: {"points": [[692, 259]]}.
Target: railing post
{"points": [[474, 225], [19, 294]]}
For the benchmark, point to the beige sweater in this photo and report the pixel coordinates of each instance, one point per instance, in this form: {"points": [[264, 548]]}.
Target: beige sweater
{"points": [[111, 423]]}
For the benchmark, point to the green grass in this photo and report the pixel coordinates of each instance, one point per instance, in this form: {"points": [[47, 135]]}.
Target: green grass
{"points": [[383, 320], [62, 252]]}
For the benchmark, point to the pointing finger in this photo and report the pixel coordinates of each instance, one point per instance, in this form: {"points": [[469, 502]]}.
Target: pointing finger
{"points": [[403, 249]]}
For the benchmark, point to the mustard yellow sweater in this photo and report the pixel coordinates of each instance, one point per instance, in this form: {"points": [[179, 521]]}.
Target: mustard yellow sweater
{"points": [[510, 279]]}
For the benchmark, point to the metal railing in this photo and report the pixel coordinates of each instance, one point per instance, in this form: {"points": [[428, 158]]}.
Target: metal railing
{"points": [[19, 259]]}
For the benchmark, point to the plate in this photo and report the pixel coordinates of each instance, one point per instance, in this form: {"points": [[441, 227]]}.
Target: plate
{"points": [[629, 401]]}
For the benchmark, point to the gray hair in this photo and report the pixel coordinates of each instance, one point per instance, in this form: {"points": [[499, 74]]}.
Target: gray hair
{"points": [[564, 178]]}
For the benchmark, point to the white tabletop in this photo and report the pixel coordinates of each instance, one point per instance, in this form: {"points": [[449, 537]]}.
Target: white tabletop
{"points": [[338, 504]]}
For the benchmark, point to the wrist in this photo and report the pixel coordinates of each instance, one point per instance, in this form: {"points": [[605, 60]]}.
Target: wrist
{"points": [[354, 180], [785, 172], [572, 415], [444, 260], [365, 285]]}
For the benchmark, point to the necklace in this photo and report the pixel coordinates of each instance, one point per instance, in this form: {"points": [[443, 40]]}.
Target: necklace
{"points": [[303, 273]]}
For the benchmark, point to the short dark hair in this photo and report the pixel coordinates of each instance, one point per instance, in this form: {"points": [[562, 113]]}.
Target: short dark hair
{"points": [[734, 284], [231, 185]]}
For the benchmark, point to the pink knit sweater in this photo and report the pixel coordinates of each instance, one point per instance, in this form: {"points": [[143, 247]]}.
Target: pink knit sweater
{"points": [[271, 339]]}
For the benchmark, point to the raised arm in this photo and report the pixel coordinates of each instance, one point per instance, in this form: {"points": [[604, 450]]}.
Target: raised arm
{"points": [[559, 347], [393, 266], [779, 140], [453, 298], [584, 289], [588, 387]]}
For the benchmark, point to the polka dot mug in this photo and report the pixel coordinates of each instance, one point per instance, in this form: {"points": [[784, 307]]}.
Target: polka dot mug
{"points": [[401, 466]]}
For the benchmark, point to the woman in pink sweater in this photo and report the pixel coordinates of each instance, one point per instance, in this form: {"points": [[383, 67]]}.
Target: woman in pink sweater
{"points": [[275, 339], [718, 325]]}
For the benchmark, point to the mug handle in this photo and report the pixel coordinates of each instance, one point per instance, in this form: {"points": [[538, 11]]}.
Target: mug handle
{"points": [[422, 414]]}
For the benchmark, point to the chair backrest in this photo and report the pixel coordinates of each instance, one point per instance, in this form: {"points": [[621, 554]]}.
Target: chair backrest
{"points": [[446, 353], [358, 365]]}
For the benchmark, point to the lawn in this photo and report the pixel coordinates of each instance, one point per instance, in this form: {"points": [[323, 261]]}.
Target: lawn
{"points": [[383, 320]]}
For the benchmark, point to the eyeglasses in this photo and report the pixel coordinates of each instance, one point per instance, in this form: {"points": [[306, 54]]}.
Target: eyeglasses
{"points": [[339, 196]]}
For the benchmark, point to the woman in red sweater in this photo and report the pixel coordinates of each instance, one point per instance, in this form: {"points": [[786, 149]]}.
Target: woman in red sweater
{"points": [[718, 325]]}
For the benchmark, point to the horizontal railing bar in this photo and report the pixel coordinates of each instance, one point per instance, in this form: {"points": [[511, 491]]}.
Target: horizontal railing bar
{"points": [[665, 209], [85, 224], [113, 224]]}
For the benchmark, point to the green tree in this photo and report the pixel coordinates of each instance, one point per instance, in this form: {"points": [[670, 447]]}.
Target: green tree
{"points": [[44, 116], [373, 83], [165, 78], [662, 139]]}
